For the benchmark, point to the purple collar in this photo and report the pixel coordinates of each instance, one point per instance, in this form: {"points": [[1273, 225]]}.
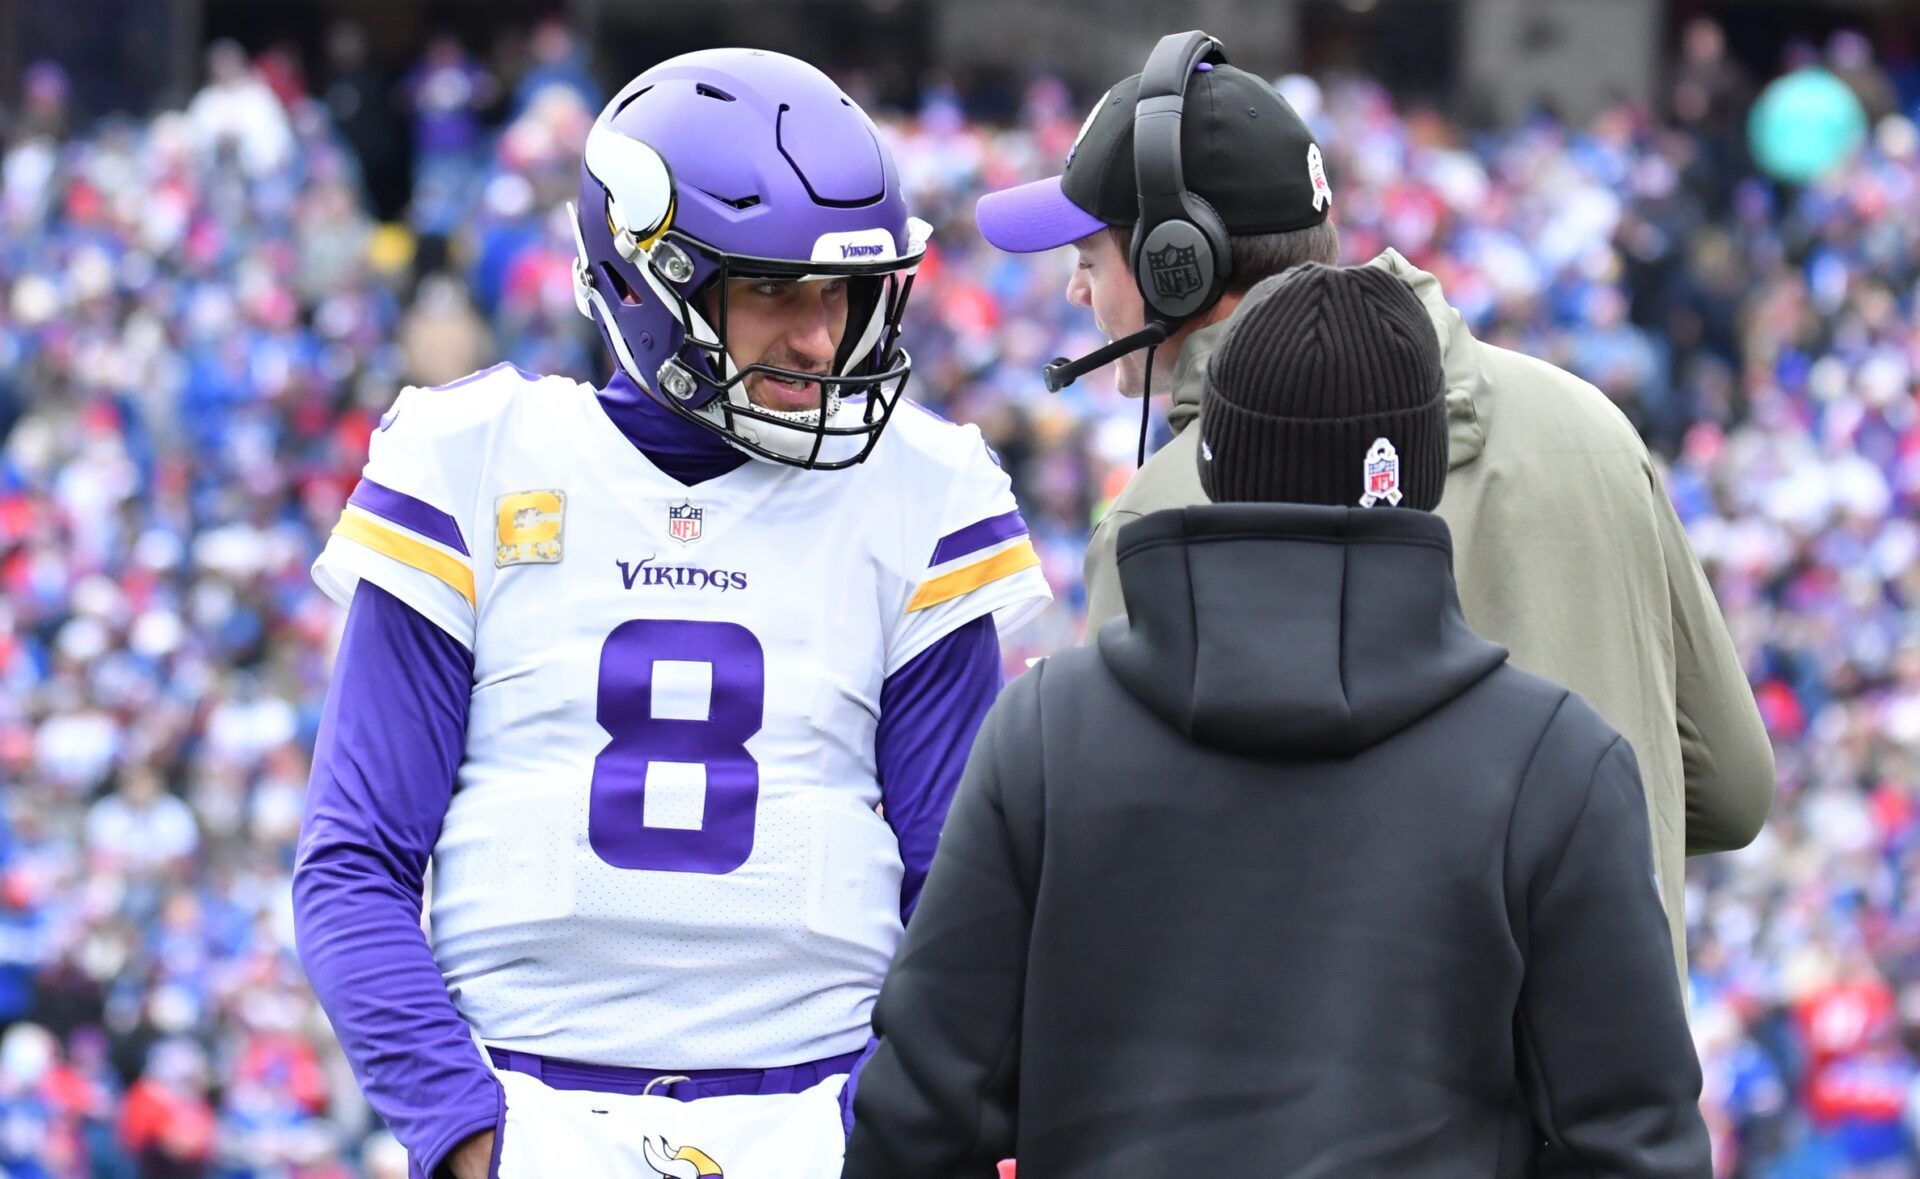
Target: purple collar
{"points": [[688, 452]]}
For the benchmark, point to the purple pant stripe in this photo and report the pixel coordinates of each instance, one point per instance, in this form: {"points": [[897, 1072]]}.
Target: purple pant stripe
{"points": [[409, 513], [975, 537]]}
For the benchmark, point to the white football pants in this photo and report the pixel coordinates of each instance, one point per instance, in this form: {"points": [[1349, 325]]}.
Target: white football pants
{"points": [[579, 1134]]}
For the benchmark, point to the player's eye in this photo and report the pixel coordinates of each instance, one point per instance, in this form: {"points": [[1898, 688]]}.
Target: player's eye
{"points": [[836, 286], [770, 289]]}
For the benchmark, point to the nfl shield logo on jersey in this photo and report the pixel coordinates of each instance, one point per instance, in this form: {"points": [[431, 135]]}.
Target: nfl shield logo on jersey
{"points": [[1382, 474], [683, 522]]}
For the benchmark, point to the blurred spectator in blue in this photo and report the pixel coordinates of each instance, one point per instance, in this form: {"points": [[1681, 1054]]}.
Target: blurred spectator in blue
{"points": [[557, 60], [30, 1144], [446, 94], [140, 829], [25, 945], [1626, 362]]}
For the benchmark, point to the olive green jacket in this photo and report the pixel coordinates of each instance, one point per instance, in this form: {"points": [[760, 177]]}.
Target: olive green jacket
{"points": [[1567, 552]]}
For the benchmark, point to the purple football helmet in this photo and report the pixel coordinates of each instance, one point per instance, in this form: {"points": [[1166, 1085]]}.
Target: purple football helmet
{"points": [[739, 163]]}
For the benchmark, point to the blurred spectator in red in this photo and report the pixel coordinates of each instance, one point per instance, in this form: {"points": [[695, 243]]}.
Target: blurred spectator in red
{"points": [[167, 1124], [84, 1096], [279, 68], [1861, 1099], [1843, 1017]]}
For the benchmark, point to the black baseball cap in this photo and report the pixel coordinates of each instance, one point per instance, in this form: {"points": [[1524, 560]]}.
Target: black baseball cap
{"points": [[1243, 150]]}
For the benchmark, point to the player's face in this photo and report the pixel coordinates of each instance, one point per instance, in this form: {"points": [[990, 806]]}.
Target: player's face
{"points": [[786, 324], [1102, 281]]}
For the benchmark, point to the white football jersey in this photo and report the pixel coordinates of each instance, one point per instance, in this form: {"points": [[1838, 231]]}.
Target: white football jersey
{"points": [[662, 851]]}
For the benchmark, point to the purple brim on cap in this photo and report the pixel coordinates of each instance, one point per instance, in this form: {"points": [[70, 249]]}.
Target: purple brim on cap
{"points": [[1033, 217]]}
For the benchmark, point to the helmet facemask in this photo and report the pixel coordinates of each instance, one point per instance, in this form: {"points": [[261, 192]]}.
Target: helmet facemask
{"points": [[858, 392], [698, 379]]}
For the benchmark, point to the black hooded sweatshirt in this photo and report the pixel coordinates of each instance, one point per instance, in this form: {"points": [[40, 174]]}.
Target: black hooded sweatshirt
{"points": [[1292, 877]]}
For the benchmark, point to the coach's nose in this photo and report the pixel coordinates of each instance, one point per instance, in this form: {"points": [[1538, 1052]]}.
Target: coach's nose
{"points": [[1080, 288]]}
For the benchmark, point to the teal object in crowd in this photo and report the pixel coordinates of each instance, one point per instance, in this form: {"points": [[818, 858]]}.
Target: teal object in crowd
{"points": [[1805, 125]]}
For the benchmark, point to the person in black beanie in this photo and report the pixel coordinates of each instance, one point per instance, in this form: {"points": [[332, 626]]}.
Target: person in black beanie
{"points": [[1342, 370], [1294, 874]]}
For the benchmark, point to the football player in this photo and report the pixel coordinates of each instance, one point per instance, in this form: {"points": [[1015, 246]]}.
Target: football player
{"points": [[670, 680]]}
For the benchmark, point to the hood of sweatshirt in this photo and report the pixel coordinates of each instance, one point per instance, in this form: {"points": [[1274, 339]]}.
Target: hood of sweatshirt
{"points": [[1283, 630]]}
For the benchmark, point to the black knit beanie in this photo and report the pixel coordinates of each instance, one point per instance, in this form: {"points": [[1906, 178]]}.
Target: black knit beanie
{"points": [[1328, 389]]}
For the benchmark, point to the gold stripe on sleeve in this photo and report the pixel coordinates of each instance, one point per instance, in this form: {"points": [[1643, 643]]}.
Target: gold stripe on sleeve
{"points": [[948, 586], [388, 543]]}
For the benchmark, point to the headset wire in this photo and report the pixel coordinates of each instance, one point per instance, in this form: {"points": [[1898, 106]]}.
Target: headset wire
{"points": [[1146, 406]]}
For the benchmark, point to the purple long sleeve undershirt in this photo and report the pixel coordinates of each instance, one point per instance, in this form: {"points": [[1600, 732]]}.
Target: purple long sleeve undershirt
{"points": [[930, 711], [390, 743], [391, 739]]}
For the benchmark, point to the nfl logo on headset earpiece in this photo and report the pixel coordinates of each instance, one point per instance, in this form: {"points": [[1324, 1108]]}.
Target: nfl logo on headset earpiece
{"points": [[1180, 255]]}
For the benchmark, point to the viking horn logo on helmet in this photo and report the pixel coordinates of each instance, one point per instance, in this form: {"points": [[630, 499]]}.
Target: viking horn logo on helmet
{"points": [[640, 198], [685, 1163], [810, 193]]}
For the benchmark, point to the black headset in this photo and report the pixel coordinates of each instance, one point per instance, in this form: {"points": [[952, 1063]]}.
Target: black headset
{"points": [[1180, 255]]}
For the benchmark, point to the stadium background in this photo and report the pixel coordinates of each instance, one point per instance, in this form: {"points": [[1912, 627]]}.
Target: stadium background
{"points": [[231, 229]]}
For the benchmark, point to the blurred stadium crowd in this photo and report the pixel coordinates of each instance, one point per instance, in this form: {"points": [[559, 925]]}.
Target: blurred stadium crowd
{"points": [[201, 320]]}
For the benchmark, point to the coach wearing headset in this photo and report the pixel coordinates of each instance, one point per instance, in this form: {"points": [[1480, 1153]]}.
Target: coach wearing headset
{"points": [[1193, 181]]}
